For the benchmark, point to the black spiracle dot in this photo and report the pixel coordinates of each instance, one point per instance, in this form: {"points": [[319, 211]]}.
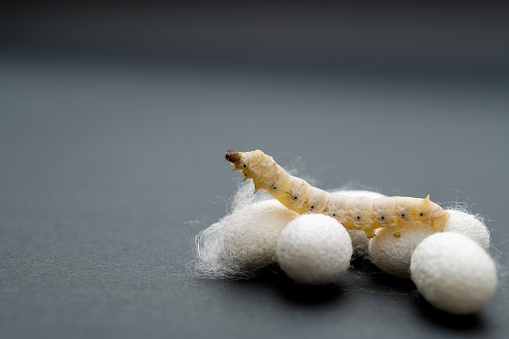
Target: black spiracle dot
{"points": [[358, 218], [383, 217], [403, 215], [245, 165], [422, 214], [333, 214], [295, 198], [312, 207], [274, 187]]}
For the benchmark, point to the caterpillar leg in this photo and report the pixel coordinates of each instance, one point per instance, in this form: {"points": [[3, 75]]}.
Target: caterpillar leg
{"points": [[396, 231], [370, 233]]}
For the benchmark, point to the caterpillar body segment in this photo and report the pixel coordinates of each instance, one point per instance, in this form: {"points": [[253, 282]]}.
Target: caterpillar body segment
{"points": [[353, 213]]}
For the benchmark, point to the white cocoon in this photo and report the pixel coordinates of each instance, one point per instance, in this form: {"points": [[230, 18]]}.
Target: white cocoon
{"points": [[243, 241], [314, 249], [469, 225], [453, 273], [392, 254], [360, 242], [254, 232]]}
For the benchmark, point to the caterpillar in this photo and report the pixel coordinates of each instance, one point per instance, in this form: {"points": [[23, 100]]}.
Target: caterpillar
{"points": [[353, 213]]}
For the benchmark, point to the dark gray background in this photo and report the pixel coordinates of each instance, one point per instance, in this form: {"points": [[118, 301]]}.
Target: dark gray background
{"points": [[114, 120]]}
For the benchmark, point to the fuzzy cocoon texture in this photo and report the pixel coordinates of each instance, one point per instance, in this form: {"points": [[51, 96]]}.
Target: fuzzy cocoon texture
{"points": [[360, 242], [469, 225], [314, 249], [244, 240], [253, 240], [453, 273], [392, 254]]}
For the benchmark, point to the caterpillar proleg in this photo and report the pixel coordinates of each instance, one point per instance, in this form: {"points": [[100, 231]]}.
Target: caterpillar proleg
{"points": [[353, 213]]}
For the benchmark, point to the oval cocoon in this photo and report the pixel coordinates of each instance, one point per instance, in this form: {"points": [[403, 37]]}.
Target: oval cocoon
{"points": [[453, 273], [469, 225], [393, 254], [252, 233], [314, 249]]}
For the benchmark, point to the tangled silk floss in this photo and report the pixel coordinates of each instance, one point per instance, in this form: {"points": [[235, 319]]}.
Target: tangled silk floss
{"points": [[305, 230]]}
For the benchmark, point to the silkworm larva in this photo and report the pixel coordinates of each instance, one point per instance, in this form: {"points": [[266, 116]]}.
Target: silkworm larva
{"points": [[353, 213]]}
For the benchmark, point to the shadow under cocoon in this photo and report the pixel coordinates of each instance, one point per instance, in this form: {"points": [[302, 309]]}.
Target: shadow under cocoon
{"points": [[273, 281], [380, 281], [472, 323], [309, 296]]}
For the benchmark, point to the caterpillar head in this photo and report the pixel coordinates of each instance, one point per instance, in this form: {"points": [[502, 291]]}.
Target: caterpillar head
{"points": [[232, 155], [253, 165]]}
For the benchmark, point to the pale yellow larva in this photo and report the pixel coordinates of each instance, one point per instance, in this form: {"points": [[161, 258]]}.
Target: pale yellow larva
{"points": [[353, 213]]}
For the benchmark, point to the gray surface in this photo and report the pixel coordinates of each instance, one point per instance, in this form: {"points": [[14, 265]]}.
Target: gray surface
{"points": [[102, 167], [113, 125]]}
